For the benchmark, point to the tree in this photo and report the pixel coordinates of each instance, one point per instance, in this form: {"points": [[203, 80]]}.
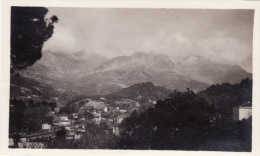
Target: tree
{"points": [[183, 121], [226, 96], [61, 134], [34, 117], [29, 30], [17, 139], [16, 117]]}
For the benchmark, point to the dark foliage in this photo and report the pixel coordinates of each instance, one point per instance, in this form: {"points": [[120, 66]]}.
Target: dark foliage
{"points": [[88, 115], [16, 139], [76, 99], [61, 134], [68, 109], [184, 121], [28, 117], [227, 96], [171, 124], [29, 30], [141, 92], [16, 119]]}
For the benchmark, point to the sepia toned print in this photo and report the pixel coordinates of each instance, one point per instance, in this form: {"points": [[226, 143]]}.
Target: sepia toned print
{"points": [[128, 78]]}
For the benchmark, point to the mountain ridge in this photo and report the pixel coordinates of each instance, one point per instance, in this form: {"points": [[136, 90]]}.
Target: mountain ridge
{"points": [[101, 76]]}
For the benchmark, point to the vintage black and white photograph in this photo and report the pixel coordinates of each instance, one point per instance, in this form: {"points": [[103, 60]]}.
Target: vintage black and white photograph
{"points": [[131, 78]]}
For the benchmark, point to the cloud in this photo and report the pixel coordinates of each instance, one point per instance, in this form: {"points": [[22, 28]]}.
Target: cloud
{"points": [[224, 36], [62, 41], [182, 39], [224, 50]]}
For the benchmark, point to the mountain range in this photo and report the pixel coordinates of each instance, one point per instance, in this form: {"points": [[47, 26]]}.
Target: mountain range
{"points": [[92, 74]]}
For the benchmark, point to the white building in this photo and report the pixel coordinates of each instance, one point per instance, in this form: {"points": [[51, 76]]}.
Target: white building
{"points": [[115, 130], [122, 111], [75, 115], [65, 122], [97, 118], [64, 118], [244, 111], [78, 135], [67, 128], [120, 119], [46, 126]]}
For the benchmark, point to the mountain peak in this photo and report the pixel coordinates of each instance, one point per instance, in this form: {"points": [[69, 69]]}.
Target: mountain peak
{"points": [[139, 53], [196, 58], [138, 59]]}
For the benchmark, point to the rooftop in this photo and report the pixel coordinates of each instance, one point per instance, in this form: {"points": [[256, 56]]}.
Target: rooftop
{"points": [[247, 104]]}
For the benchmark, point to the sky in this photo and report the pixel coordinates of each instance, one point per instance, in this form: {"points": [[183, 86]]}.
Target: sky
{"points": [[223, 36]]}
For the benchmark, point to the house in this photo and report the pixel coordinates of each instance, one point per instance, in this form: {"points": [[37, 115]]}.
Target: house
{"points": [[115, 130], [78, 135], [57, 109], [70, 135], [31, 145], [68, 127], [243, 111], [75, 115], [74, 135], [55, 128], [97, 118], [122, 111], [65, 122], [79, 126], [120, 119], [82, 130], [103, 99], [46, 126], [64, 118], [11, 142]]}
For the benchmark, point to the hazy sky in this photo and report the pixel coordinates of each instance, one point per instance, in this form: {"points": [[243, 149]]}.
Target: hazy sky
{"points": [[223, 36]]}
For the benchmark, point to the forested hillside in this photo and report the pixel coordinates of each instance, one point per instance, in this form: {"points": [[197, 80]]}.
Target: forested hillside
{"points": [[226, 96], [141, 92], [186, 121]]}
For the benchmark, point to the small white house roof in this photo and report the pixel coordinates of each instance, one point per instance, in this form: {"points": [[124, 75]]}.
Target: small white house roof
{"points": [[248, 104]]}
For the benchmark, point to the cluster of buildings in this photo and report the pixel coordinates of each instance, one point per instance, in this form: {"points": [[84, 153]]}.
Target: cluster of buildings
{"points": [[76, 124]]}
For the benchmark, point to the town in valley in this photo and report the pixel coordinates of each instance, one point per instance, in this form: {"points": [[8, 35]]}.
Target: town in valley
{"points": [[131, 78]]}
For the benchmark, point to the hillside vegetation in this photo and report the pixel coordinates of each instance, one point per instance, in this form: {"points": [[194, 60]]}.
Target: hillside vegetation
{"points": [[226, 96]]}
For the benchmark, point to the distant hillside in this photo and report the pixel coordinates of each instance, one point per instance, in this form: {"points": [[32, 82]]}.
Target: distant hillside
{"points": [[31, 89], [204, 70], [141, 92], [63, 70], [226, 96]]}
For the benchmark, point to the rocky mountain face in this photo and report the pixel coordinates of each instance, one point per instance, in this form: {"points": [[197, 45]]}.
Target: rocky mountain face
{"points": [[91, 74], [63, 70], [139, 59], [203, 70]]}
